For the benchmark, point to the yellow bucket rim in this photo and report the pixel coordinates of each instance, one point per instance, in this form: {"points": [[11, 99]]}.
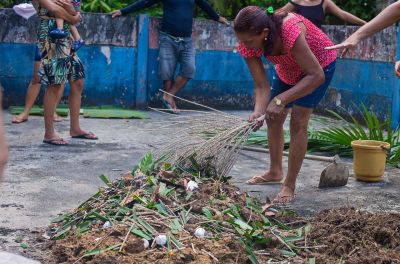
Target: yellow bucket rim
{"points": [[370, 144]]}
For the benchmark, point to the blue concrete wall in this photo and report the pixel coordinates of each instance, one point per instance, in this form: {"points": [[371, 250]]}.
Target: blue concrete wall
{"points": [[121, 61]]}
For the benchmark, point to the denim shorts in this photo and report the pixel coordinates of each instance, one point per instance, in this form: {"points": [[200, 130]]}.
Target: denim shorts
{"points": [[174, 51], [311, 100]]}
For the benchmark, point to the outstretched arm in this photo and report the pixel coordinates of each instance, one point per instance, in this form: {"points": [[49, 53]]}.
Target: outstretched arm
{"points": [[203, 4], [332, 8], [58, 11], [385, 18], [134, 7]]}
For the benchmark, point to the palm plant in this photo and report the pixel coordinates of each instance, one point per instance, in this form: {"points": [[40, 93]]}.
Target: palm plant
{"points": [[337, 139]]}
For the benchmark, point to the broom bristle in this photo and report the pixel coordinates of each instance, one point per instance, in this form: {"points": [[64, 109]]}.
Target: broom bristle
{"points": [[211, 138]]}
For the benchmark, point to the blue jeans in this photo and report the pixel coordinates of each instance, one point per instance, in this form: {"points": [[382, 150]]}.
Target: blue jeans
{"points": [[173, 51], [311, 100]]}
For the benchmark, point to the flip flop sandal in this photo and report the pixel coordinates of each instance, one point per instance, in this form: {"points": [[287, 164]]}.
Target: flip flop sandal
{"points": [[258, 180], [168, 106], [18, 121], [86, 136], [54, 142]]}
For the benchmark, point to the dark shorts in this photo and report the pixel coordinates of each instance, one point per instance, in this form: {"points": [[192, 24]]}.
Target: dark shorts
{"points": [[174, 51], [310, 100], [37, 54]]}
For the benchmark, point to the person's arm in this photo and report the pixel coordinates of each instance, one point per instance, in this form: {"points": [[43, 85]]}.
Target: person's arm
{"points": [[384, 19], [203, 4], [332, 8], [134, 7], [59, 11], [313, 75], [262, 87], [3, 144], [289, 7]]}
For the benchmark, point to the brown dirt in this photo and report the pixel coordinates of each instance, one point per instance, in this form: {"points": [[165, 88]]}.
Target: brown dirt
{"points": [[343, 235], [356, 237]]}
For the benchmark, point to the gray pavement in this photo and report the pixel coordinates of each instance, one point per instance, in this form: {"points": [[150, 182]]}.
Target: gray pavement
{"points": [[42, 180]]}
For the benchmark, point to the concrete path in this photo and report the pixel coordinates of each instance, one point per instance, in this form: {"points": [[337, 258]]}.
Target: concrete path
{"points": [[42, 180]]}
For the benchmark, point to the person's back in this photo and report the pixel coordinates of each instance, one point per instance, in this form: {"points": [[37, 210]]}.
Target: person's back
{"points": [[178, 15], [316, 10], [312, 11]]}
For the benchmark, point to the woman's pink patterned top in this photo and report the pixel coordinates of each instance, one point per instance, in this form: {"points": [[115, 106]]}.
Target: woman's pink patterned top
{"points": [[286, 66]]}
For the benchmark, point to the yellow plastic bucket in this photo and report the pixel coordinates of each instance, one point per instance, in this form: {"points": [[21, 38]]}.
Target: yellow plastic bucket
{"points": [[369, 159]]}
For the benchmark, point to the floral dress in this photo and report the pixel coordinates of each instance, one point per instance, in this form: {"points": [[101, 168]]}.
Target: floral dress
{"points": [[59, 62]]}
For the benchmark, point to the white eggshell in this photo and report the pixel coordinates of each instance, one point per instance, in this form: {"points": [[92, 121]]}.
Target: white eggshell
{"points": [[146, 243], [192, 185], [200, 232], [161, 240], [107, 225]]}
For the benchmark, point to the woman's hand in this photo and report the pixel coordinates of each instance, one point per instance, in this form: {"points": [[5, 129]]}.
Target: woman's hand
{"points": [[258, 118], [274, 110], [67, 5]]}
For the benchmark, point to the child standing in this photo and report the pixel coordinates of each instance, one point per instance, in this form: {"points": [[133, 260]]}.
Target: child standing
{"points": [[59, 33]]}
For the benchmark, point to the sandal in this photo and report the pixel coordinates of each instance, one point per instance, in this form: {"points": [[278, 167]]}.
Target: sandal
{"points": [[260, 180], [88, 136], [284, 198], [56, 142]]}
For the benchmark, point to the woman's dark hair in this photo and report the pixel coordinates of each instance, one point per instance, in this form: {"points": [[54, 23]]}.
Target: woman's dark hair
{"points": [[254, 20]]}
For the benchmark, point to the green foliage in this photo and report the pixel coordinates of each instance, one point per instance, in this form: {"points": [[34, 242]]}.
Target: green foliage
{"points": [[365, 9]]}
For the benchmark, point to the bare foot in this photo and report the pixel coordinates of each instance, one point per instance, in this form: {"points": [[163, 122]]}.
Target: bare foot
{"points": [[82, 134], [171, 102], [56, 141], [265, 178], [285, 195], [20, 118], [57, 118]]}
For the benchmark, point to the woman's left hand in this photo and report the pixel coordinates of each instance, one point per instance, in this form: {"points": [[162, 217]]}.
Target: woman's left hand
{"points": [[274, 110]]}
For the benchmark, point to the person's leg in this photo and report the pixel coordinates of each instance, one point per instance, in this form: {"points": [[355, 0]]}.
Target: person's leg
{"points": [[75, 96], [51, 98], [275, 140], [186, 59], [298, 147], [31, 95], [166, 66], [275, 144]]}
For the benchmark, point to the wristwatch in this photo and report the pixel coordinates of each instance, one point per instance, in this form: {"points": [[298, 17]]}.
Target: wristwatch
{"points": [[278, 102]]}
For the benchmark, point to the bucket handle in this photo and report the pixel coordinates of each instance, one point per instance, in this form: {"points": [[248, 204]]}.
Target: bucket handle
{"points": [[386, 150]]}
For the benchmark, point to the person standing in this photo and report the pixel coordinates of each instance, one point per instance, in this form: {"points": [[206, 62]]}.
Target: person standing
{"points": [[33, 92], [176, 45], [60, 64], [316, 11], [304, 70]]}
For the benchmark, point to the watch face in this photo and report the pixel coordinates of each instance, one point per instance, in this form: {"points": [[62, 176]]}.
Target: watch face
{"points": [[278, 101]]}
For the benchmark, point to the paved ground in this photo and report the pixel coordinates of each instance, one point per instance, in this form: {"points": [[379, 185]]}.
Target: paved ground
{"points": [[41, 180]]}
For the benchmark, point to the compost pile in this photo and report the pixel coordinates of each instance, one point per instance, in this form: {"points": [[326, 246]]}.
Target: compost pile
{"points": [[163, 214], [159, 213]]}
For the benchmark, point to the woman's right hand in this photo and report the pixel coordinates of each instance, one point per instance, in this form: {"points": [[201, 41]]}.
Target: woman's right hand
{"points": [[346, 45], [116, 13], [253, 118]]}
